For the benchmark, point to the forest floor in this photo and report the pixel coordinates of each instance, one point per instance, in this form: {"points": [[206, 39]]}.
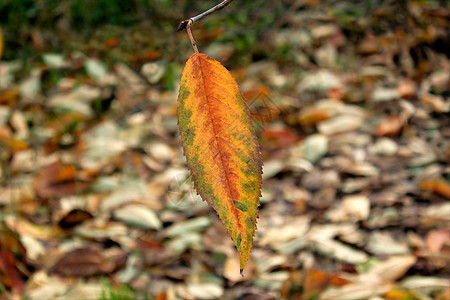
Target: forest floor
{"points": [[353, 119]]}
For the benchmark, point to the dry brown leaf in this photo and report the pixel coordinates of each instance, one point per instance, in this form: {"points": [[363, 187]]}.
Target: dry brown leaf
{"points": [[74, 218], [389, 126], [42, 286], [230, 270], [14, 144], [8, 267], [205, 291], [315, 282], [353, 291], [138, 215], [19, 195], [339, 251], [24, 227], [436, 239], [369, 45], [425, 283], [84, 290], [9, 97], [444, 294], [435, 102], [340, 124], [397, 294], [388, 271], [280, 137], [336, 93], [438, 186], [407, 88], [312, 116], [82, 262], [58, 180]]}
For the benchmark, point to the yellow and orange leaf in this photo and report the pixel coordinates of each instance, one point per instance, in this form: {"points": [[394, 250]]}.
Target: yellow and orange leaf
{"points": [[221, 148], [438, 185]]}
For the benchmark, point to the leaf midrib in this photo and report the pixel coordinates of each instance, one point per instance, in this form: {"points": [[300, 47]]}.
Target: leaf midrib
{"points": [[228, 185]]}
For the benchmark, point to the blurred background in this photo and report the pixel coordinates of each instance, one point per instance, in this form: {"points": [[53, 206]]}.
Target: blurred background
{"points": [[350, 101]]}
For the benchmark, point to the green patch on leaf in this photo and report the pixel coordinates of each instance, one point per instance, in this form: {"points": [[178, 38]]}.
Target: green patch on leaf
{"points": [[241, 206]]}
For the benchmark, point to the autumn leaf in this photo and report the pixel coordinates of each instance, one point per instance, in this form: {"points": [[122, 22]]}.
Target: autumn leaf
{"points": [[85, 262], [11, 253], [439, 186], [9, 274], [58, 180], [74, 217], [390, 126], [220, 145], [9, 97], [312, 116]]}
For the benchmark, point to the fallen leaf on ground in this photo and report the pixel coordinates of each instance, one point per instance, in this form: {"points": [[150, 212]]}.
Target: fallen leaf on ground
{"points": [[82, 262], [58, 180], [439, 186], [436, 239], [389, 126]]}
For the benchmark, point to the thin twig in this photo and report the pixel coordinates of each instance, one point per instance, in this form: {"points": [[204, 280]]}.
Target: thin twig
{"points": [[188, 28], [183, 24]]}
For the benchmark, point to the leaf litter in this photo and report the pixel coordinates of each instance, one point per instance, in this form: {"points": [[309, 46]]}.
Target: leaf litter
{"points": [[356, 186]]}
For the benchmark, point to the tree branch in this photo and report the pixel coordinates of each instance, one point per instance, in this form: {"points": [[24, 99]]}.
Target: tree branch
{"points": [[197, 18]]}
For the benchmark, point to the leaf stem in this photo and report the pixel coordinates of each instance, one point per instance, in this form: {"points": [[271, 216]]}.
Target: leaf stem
{"points": [[188, 28], [183, 25]]}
